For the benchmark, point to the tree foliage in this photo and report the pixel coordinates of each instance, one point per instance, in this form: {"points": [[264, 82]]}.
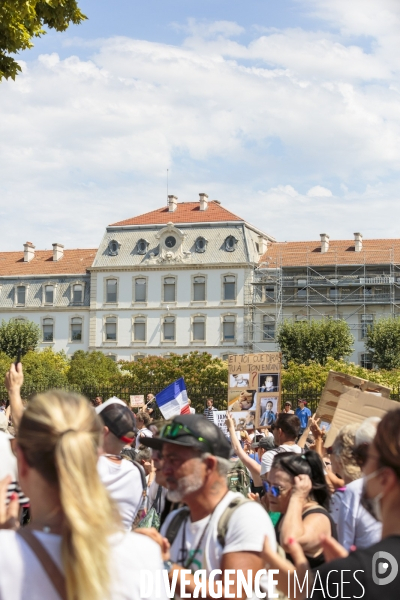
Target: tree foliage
{"points": [[305, 341], [15, 335], [22, 20], [92, 369], [383, 343]]}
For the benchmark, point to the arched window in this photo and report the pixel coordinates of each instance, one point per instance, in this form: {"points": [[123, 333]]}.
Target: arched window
{"points": [[77, 293], [111, 290], [228, 328], [199, 289], [230, 243], [111, 329], [49, 294], [48, 330], [199, 328], [76, 329], [169, 329]]}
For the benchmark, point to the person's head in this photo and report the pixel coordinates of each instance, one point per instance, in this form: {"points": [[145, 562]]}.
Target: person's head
{"points": [[143, 420], [342, 457], [364, 436], [270, 405], [287, 406], [301, 403], [210, 402], [57, 452], [98, 400], [150, 397], [119, 425], [144, 458], [195, 457], [246, 400], [262, 444], [286, 428], [382, 470], [281, 479]]}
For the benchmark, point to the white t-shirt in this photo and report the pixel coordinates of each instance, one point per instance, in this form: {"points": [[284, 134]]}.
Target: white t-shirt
{"points": [[355, 525], [247, 528], [124, 485], [268, 457], [142, 433], [22, 576]]}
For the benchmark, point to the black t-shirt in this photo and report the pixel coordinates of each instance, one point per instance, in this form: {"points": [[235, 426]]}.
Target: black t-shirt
{"points": [[152, 405], [370, 574]]}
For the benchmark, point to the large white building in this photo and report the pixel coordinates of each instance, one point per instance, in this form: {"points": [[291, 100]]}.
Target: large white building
{"points": [[194, 276]]}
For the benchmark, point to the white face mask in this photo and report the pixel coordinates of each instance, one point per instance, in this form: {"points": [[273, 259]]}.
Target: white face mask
{"points": [[372, 505]]}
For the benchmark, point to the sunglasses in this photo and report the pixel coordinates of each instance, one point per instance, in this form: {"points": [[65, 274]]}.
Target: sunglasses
{"points": [[172, 431], [274, 490]]}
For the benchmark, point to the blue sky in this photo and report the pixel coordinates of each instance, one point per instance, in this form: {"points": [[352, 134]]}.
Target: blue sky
{"points": [[287, 112]]}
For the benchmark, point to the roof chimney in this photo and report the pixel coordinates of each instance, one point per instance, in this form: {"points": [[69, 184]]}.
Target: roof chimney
{"points": [[262, 245], [203, 201], [324, 242], [172, 203], [358, 242], [58, 251], [29, 251]]}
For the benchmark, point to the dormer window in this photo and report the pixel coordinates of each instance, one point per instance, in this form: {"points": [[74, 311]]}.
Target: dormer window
{"points": [[200, 244], [48, 294], [142, 246], [77, 293], [21, 295], [230, 243], [113, 248]]}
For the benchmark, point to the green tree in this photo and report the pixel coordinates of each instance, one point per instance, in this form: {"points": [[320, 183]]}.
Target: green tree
{"points": [[383, 343], [15, 335], [22, 20], [92, 369], [316, 340]]}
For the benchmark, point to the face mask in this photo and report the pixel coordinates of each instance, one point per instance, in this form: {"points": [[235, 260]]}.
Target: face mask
{"points": [[371, 505]]}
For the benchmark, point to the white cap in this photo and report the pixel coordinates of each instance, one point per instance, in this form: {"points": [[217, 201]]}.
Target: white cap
{"points": [[113, 400]]}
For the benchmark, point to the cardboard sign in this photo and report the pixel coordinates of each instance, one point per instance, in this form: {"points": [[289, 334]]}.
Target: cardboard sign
{"points": [[338, 384], [220, 421], [253, 380], [354, 406], [136, 401]]}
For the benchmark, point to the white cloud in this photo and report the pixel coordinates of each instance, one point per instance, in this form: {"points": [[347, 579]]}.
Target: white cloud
{"points": [[88, 142]]}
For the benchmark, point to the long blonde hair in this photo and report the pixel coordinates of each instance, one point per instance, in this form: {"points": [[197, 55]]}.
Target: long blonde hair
{"points": [[60, 434]]}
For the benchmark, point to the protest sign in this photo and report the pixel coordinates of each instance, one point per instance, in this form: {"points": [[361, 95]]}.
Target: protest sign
{"points": [[220, 421], [354, 406], [336, 385], [136, 401], [253, 379]]}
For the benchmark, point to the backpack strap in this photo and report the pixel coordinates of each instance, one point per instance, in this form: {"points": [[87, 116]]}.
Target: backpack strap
{"points": [[51, 569], [140, 468], [223, 522], [175, 524]]}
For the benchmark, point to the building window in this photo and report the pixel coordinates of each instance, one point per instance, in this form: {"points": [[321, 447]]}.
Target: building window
{"points": [[366, 322], [230, 243], [137, 357], [76, 329], [229, 287], [199, 289], [112, 357], [228, 328], [21, 295], [111, 290], [225, 356], [139, 329], [77, 293], [268, 328], [113, 248], [169, 289], [333, 293], [269, 293], [200, 244], [48, 330], [142, 246], [368, 292], [140, 289], [48, 294], [199, 329], [301, 289], [111, 329], [169, 329], [366, 361]]}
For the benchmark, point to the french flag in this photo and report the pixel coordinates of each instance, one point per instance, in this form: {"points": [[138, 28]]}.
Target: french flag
{"points": [[173, 400]]}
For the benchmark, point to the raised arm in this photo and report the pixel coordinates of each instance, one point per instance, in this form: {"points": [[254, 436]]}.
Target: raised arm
{"points": [[13, 382], [251, 464]]}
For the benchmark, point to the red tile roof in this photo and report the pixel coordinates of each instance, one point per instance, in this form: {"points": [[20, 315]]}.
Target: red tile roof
{"points": [[341, 252], [73, 261], [186, 212]]}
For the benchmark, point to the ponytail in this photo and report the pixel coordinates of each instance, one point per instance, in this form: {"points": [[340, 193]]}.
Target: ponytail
{"points": [[60, 434]]}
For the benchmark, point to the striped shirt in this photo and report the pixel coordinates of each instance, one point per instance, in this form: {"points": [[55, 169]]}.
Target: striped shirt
{"points": [[208, 413]]}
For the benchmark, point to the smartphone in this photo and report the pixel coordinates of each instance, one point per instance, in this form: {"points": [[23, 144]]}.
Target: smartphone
{"points": [[19, 355]]}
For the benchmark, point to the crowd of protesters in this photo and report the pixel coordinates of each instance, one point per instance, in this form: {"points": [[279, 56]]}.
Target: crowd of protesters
{"points": [[80, 482]]}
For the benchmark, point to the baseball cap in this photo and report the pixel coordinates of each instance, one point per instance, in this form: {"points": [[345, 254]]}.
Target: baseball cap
{"points": [[192, 431], [118, 418], [267, 443]]}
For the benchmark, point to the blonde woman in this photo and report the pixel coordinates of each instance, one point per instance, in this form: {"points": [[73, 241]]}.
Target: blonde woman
{"points": [[75, 528]]}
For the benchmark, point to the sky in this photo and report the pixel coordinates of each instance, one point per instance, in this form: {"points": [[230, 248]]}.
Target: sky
{"points": [[286, 111]]}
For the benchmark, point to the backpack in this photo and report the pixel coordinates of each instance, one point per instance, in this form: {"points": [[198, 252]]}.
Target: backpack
{"points": [[222, 527], [238, 478]]}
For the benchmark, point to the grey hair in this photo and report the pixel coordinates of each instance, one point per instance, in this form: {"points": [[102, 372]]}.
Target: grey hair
{"points": [[143, 454], [367, 430], [223, 465]]}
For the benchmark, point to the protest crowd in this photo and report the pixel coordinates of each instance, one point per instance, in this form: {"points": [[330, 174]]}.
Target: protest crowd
{"points": [[93, 495]]}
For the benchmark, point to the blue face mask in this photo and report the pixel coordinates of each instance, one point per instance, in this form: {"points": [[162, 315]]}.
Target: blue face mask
{"points": [[372, 505]]}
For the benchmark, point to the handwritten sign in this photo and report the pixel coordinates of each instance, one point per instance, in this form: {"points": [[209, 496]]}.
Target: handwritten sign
{"points": [[136, 401], [220, 421]]}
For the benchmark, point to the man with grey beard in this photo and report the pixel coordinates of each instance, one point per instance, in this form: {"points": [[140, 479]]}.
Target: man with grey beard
{"points": [[195, 461]]}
